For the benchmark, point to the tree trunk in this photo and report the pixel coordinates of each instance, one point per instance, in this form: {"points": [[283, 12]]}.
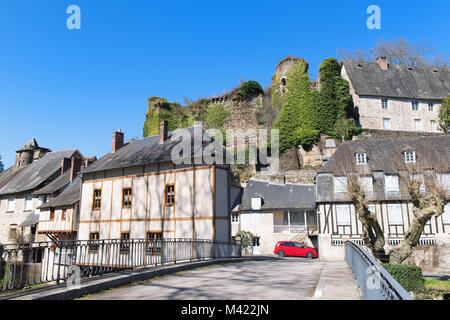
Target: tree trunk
{"points": [[404, 250]]}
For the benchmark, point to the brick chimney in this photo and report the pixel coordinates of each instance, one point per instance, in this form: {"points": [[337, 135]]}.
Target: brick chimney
{"points": [[163, 131], [65, 164], [382, 63], [117, 140], [75, 166]]}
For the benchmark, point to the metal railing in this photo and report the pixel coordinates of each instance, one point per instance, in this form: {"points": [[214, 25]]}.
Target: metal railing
{"points": [[28, 264], [373, 280]]}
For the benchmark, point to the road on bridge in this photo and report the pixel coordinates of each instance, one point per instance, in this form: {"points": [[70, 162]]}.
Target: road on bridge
{"points": [[272, 279]]}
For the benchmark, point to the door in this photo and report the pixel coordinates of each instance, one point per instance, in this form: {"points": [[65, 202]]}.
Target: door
{"points": [[299, 250]]}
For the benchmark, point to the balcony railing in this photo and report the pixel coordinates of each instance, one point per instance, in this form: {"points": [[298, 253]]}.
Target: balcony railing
{"points": [[293, 228]]}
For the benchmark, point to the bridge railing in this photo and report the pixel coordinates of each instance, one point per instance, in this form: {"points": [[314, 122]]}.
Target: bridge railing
{"points": [[28, 264], [373, 280]]}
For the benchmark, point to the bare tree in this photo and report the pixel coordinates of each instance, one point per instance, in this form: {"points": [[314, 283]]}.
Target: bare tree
{"points": [[398, 51], [425, 183]]}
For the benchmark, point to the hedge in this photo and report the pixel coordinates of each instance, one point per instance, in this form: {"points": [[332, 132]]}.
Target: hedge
{"points": [[409, 277]]}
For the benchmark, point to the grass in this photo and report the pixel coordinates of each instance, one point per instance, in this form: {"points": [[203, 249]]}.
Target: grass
{"points": [[437, 285]]}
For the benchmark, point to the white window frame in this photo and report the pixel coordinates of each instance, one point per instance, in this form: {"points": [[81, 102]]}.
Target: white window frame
{"points": [[433, 126], [366, 183], [430, 106], [384, 103], [28, 203], [421, 178], [418, 121], [444, 180], [340, 184], [446, 214], [415, 105], [410, 156], [343, 215], [386, 121], [392, 179], [361, 158], [395, 214], [11, 204]]}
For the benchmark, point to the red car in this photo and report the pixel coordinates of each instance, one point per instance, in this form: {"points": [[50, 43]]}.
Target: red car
{"points": [[294, 248]]}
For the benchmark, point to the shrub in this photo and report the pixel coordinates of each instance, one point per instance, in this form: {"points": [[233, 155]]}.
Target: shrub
{"points": [[409, 277], [247, 90], [444, 115], [246, 239], [346, 128], [216, 116]]}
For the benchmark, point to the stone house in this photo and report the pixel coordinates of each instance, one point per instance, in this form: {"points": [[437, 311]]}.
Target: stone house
{"points": [[37, 176], [275, 212], [137, 191], [396, 97], [384, 182]]}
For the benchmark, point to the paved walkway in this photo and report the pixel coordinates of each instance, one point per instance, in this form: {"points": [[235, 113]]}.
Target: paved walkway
{"points": [[272, 279], [337, 283]]}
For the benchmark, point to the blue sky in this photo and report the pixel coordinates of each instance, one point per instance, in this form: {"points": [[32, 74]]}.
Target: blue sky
{"points": [[72, 88]]}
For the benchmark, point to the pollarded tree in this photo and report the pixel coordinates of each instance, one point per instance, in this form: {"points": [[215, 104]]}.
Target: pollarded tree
{"points": [[426, 184], [373, 234]]}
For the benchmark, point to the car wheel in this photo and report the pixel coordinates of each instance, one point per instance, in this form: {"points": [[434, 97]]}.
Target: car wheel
{"points": [[310, 255], [281, 253]]}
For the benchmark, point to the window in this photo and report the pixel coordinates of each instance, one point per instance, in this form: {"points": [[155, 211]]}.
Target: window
{"points": [[391, 183], [170, 195], [12, 236], [417, 124], [366, 184], [386, 123], [419, 177], [384, 103], [52, 215], [63, 214], [430, 106], [340, 184], [372, 208], [433, 126], [126, 198], [124, 242], [154, 242], [361, 158], [96, 205], [11, 203], [28, 203], [343, 215], [94, 237], [410, 156], [444, 180], [446, 214], [235, 217], [395, 214], [415, 105]]}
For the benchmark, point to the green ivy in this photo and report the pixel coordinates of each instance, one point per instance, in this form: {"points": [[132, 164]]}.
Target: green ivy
{"points": [[248, 90], [444, 115]]}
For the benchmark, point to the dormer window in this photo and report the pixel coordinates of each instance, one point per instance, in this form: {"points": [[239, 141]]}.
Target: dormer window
{"points": [[410, 156], [361, 158]]}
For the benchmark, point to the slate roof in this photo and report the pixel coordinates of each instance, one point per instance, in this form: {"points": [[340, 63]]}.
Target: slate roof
{"points": [[145, 151], [387, 154], [279, 196], [69, 196], [368, 79], [33, 175], [55, 185]]}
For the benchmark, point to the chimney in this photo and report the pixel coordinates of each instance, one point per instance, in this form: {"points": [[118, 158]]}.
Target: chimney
{"points": [[75, 166], [65, 164], [163, 131], [382, 63], [117, 140]]}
